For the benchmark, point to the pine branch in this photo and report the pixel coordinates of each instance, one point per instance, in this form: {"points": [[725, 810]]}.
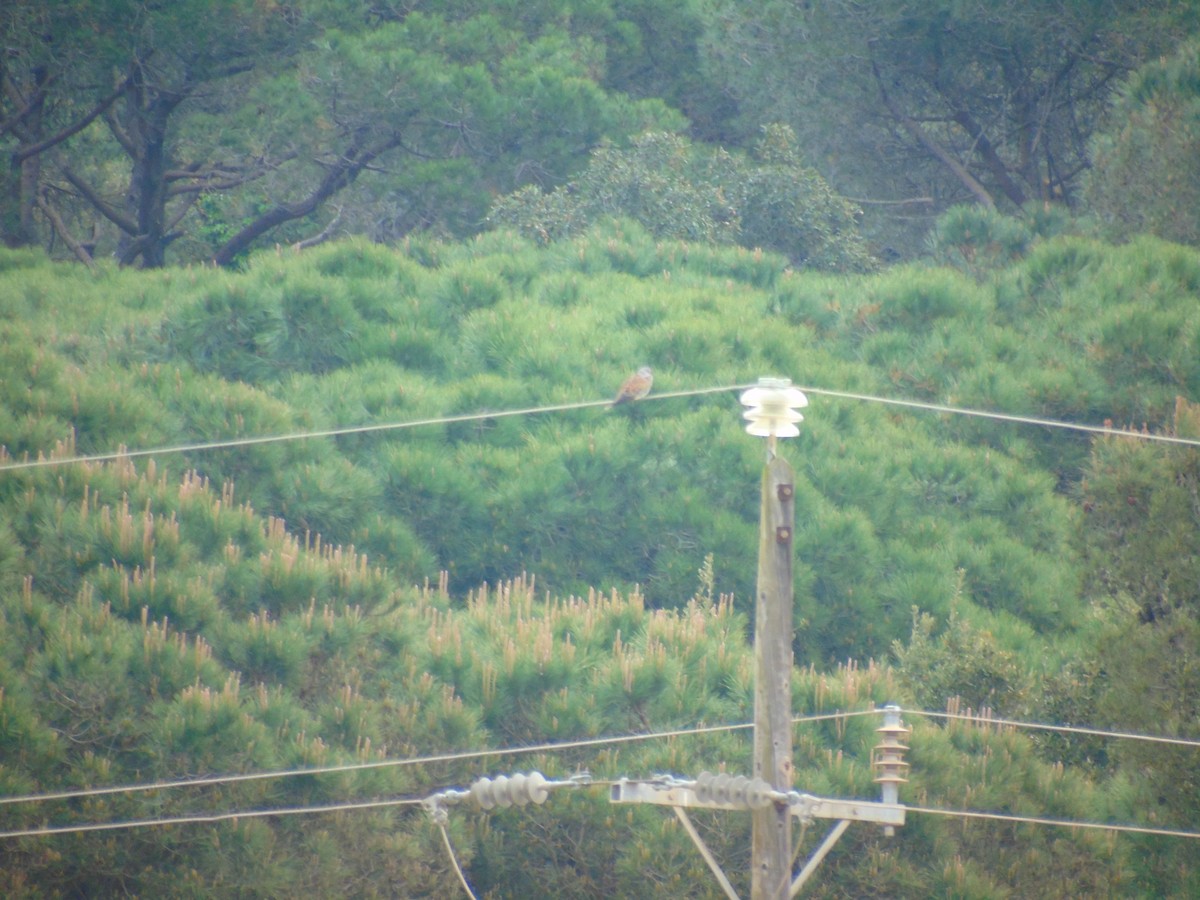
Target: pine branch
{"points": [[940, 153], [217, 177]]}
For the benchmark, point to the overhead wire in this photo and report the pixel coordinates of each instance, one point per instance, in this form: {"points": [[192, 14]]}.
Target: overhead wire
{"points": [[204, 818], [208, 818], [45, 461], [462, 878], [212, 818], [459, 756], [1106, 430], [1061, 823], [562, 746], [988, 720], [547, 747]]}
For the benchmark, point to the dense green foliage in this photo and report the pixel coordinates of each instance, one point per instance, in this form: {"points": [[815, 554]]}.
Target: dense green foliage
{"points": [[675, 189], [198, 130], [1147, 160], [203, 127], [213, 611], [921, 104]]}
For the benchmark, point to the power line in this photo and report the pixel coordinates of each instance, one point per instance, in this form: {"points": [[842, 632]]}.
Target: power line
{"points": [[201, 446], [981, 719], [212, 818], [551, 747], [547, 747], [1004, 417], [562, 746], [462, 878], [208, 818], [1061, 823]]}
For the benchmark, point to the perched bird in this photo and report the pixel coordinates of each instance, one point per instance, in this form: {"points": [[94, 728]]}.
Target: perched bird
{"points": [[636, 386]]}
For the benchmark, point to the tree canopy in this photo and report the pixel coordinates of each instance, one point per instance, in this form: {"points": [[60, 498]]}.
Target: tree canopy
{"points": [[924, 105], [676, 189], [225, 123], [196, 131], [1146, 175]]}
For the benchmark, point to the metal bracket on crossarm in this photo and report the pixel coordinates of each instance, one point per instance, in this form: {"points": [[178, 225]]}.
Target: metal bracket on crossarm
{"points": [[723, 791]]}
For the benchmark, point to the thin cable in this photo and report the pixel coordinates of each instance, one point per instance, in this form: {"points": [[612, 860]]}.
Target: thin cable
{"points": [[1004, 417], [201, 446], [381, 764], [43, 462], [1062, 823], [209, 818], [1066, 729], [374, 804], [554, 747], [206, 818], [462, 879]]}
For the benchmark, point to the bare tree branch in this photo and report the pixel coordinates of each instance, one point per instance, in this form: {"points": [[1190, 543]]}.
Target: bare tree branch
{"points": [[935, 149], [26, 106], [907, 201], [118, 132], [321, 236], [106, 209], [338, 175], [184, 209], [991, 158], [60, 228], [217, 177], [71, 130]]}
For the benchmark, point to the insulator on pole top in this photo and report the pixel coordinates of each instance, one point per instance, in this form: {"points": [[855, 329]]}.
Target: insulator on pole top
{"points": [[771, 408]]}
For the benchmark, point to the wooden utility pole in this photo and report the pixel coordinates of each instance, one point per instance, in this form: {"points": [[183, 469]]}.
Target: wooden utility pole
{"points": [[772, 411], [772, 826]]}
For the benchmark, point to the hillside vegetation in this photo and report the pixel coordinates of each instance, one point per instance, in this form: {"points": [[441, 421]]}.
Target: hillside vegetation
{"points": [[278, 604]]}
